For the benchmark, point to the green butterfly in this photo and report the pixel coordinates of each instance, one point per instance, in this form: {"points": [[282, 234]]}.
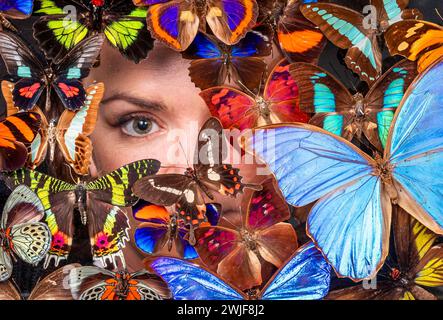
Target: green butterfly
{"points": [[66, 22], [98, 203]]}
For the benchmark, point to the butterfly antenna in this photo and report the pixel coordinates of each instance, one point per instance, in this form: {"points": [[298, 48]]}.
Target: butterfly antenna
{"points": [[246, 89], [186, 157], [347, 77], [438, 13]]}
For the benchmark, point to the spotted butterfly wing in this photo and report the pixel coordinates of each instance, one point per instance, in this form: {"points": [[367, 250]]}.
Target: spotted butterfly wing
{"points": [[416, 40], [124, 25], [21, 233], [214, 62]]}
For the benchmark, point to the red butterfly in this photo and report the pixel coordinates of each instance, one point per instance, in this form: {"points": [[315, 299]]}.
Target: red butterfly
{"points": [[239, 251], [278, 103]]}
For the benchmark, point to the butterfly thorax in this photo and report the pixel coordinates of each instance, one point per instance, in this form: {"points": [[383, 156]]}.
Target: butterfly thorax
{"points": [[263, 107], [51, 131], [253, 294], [383, 169], [48, 76], [200, 7], [80, 200], [122, 284], [359, 107], [401, 279], [5, 240], [249, 239], [172, 231]]}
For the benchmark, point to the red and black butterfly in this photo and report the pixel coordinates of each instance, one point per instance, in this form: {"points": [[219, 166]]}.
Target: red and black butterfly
{"points": [[208, 175], [63, 74]]}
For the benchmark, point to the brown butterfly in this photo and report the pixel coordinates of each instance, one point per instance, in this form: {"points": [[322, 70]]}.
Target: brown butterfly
{"points": [[416, 40], [339, 112], [70, 133], [416, 266], [349, 29], [209, 174]]}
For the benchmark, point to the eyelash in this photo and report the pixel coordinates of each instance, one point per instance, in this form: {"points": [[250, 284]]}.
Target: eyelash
{"points": [[127, 119]]}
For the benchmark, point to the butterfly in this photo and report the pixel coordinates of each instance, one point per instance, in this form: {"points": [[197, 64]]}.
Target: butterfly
{"points": [[161, 230], [67, 22], [417, 265], [340, 112], [416, 40], [22, 235], [51, 287], [213, 61], [278, 103], [349, 29], [186, 191], [17, 132], [297, 37], [234, 249], [305, 276], [176, 22], [63, 75], [71, 132], [351, 220], [15, 9], [93, 283], [97, 201]]}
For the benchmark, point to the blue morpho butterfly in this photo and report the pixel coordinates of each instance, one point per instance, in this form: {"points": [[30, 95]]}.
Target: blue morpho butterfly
{"points": [[351, 221], [349, 29], [14, 9], [160, 229], [214, 62], [352, 116], [306, 276]]}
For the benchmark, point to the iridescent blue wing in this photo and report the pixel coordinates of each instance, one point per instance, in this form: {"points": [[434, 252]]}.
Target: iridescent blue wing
{"points": [[18, 9], [322, 94], [188, 281], [345, 29], [305, 277], [203, 47], [415, 149], [351, 226], [308, 162]]}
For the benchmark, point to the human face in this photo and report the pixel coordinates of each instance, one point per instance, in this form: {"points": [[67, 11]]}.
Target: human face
{"points": [[146, 109]]}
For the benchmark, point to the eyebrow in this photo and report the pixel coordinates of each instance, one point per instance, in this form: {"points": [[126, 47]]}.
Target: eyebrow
{"points": [[140, 102]]}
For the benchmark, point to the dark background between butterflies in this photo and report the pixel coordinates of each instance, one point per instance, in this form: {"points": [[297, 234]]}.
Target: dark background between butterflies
{"points": [[332, 59]]}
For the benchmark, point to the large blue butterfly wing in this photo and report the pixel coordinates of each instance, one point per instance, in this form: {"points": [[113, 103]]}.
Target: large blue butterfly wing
{"points": [[351, 226], [305, 277], [203, 47], [18, 9], [308, 162], [415, 149], [188, 281], [344, 27]]}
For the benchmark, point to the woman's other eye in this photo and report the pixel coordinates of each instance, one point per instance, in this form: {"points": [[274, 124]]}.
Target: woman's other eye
{"points": [[139, 126]]}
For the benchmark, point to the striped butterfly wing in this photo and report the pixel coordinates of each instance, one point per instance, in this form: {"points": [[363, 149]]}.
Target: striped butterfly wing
{"points": [[322, 94], [8, 291], [17, 132], [116, 187], [74, 128], [344, 28], [39, 146], [58, 201], [392, 11], [383, 99], [416, 40]]}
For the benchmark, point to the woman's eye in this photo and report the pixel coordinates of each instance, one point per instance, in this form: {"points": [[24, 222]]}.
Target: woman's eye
{"points": [[139, 126]]}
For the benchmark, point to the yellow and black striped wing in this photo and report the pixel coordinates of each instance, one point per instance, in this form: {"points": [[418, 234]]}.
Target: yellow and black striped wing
{"points": [[58, 200], [116, 187]]}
